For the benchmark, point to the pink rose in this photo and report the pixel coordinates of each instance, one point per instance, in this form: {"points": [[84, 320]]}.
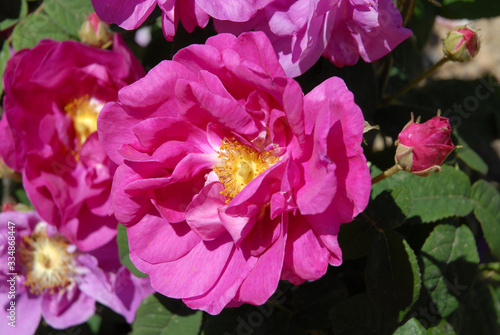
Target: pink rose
{"points": [[461, 44], [229, 178], [369, 29], [56, 280], [53, 94], [341, 30], [130, 14], [423, 147]]}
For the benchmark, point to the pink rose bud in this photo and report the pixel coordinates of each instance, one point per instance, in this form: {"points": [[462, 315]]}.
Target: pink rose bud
{"points": [[461, 44], [422, 148], [95, 33]]}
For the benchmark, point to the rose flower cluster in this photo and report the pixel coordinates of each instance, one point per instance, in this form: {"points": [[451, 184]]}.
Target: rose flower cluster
{"points": [[227, 177], [67, 255]]}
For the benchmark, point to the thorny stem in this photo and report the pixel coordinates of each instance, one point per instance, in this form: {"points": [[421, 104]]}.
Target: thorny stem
{"points": [[417, 80], [386, 174]]}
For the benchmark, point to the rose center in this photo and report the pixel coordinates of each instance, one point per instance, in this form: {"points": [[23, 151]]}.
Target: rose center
{"points": [[239, 165], [84, 112], [48, 264]]}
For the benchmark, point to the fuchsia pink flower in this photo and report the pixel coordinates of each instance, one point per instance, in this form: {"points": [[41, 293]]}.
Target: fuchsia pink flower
{"points": [[54, 280], [229, 178], [341, 30], [423, 147], [130, 14], [300, 30], [53, 94]]}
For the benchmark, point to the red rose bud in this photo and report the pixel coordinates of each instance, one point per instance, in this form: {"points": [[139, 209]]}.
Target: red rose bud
{"points": [[96, 33], [422, 148], [461, 44]]}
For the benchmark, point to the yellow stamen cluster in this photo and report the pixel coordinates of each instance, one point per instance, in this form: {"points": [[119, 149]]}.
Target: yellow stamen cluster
{"points": [[84, 112], [48, 265], [239, 165]]}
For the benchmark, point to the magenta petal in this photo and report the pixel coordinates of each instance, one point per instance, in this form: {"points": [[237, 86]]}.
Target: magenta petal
{"points": [[128, 14], [157, 130], [89, 231], [326, 227], [237, 10], [239, 226], [293, 104], [28, 310], [263, 280], [319, 185], [154, 240], [8, 151], [202, 214], [202, 106], [172, 200], [169, 20], [262, 236], [338, 128], [191, 15], [128, 208], [243, 211], [304, 254], [70, 308], [114, 127], [192, 275], [120, 291], [383, 35], [226, 287]]}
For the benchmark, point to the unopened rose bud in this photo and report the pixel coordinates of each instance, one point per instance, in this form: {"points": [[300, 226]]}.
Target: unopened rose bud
{"points": [[422, 148], [96, 33], [461, 44]]}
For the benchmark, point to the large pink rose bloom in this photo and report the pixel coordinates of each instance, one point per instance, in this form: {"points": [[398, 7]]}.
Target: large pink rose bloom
{"points": [[53, 279], [53, 94], [341, 30], [229, 178], [130, 14]]}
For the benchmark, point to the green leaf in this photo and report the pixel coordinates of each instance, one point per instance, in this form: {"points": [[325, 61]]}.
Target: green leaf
{"points": [[94, 323], [33, 28], [469, 156], [312, 301], [155, 316], [57, 19], [469, 321], [443, 328], [469, 9], [486, 210], [123, 251], [411, 327], [355, 238], [22, 197], [390, 209], [392, 274], [357, 315], [68, 15], [449, 259], [435, 197], [414, 327], [4, 57], [16, 9]]}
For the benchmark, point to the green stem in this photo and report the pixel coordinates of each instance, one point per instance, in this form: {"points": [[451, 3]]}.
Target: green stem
{"points": [[386, 174], [417, 80]]}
